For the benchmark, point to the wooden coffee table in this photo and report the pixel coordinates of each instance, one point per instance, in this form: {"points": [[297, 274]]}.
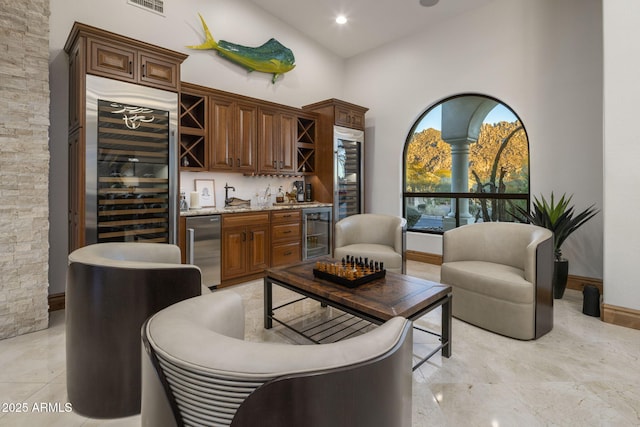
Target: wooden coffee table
{"points": [[376, 301]]}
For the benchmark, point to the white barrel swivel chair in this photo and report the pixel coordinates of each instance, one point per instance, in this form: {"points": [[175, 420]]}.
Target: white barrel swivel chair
{"points": [[199, 370], [500, 274], [374, 236]]}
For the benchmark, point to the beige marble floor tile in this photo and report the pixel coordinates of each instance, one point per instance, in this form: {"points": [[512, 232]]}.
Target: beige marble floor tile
{"points": [[623, 398], [568, 404], [35, 357], [583, 373]]}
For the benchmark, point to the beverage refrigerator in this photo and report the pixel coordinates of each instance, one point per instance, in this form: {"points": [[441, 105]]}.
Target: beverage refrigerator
{"points": [[316, 231], [348, 198], [131, 168]]}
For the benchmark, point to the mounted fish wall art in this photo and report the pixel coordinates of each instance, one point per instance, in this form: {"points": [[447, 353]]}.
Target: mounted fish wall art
{"points": [[272, 57]]}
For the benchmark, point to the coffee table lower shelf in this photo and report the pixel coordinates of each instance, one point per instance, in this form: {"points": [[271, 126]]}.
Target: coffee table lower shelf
{"points": [[351, 322]]}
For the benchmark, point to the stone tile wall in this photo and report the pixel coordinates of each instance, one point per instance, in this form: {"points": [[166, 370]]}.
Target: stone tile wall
{"points": [[24, 166]]}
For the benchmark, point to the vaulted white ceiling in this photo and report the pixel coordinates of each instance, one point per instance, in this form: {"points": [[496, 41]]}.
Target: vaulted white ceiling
{"points": [[372, 23]]}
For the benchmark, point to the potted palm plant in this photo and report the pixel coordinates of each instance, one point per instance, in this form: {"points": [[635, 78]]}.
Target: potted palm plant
{"points": [[559, 218]]}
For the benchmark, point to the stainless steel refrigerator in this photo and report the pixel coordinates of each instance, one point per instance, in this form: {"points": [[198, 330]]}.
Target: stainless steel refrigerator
{"points": [[131, 171], [348, 198]]}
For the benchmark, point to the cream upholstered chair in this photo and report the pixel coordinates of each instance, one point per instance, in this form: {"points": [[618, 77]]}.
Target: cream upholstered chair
{"points": [[501, 276], [112, 288], [375, 236], [199, 370]]}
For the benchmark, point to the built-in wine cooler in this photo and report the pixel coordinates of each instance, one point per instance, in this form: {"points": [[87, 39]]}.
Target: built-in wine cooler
{"points": [[348, 185], [317, 226], [134, 150]]}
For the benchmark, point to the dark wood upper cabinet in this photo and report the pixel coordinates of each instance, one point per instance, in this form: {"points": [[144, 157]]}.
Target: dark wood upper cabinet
{"points": [[340, 113], [277, 139], [349, 117], [158, 71], [233, 129], [111, 60], [222, 131], [221, 149], [77, 70], [244, 146], [118, 57]]}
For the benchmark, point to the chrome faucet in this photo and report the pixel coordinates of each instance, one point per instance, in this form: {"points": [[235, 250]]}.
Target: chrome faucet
{"points": [[227, 200]]}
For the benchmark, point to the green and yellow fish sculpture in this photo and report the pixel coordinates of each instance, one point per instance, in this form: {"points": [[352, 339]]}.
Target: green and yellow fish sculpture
{"points": [[272, 57]]}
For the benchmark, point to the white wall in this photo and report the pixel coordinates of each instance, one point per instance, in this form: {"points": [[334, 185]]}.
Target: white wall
{"points": [[317, 76], [542, 58], [317, 72], [621, 152]]}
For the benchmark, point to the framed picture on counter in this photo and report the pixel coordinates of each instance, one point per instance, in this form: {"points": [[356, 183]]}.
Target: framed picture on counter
{"points": [[207, 191]]}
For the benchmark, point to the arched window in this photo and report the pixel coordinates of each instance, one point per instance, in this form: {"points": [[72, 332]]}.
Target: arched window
{"points": [[466, 160]]}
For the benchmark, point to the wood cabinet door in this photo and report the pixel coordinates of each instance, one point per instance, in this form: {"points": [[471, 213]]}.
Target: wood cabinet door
{"points": [[77, 190], [221, 155], [288, 139], [234, 252], [77, 89], [277, 138], [349, 118], [267, 141], [246, 137], [156, 71], [111, 60], [258, 248]]}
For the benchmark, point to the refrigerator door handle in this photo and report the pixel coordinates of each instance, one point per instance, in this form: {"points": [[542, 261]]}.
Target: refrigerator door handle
{"points": [[191, 238], [173, 188]]}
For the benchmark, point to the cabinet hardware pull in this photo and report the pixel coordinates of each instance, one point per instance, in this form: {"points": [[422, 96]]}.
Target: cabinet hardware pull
{"points": [[251, 234], [288, 253], [130, 67], [287, 231], [281, 164], [244, 236], [275, 164], [144, 70], [230, 162], [238, 162]]}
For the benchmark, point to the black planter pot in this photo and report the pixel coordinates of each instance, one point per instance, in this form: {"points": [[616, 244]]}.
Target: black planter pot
{"points": [[560, 276]]}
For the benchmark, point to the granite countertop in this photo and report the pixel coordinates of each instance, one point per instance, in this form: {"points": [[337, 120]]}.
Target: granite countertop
{"points": [[234, 209]]}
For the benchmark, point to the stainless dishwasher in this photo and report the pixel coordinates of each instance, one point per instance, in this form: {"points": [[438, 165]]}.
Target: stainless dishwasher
{"points": [[203, 246]]}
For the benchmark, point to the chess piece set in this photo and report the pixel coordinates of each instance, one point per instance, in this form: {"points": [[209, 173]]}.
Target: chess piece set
{"points": [[351, 271]]}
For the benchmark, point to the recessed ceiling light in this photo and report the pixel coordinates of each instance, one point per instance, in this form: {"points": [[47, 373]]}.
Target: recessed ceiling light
{"points": [[427, 3], [341, 19]]}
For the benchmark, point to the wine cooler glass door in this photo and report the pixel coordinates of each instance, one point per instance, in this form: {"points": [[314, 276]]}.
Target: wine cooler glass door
{"points": [[348, 185], [317, 232], [133, 182]]}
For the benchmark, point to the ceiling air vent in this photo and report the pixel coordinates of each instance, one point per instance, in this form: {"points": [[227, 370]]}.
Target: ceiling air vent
{"points": [[155, 6]]}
